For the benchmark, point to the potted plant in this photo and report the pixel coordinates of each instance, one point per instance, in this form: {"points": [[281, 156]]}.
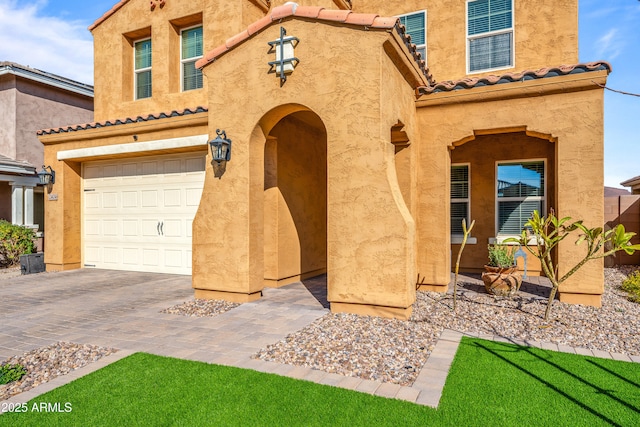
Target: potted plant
{"points": [[501, 277]]}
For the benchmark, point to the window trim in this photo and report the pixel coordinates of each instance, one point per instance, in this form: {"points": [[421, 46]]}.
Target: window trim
{"points": [[468, 39], [500, 237], [419, 46], [457, 238], [137, 71], [191, 59]]}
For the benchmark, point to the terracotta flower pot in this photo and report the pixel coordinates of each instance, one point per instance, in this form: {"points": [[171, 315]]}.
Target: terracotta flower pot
{"points": [[503, 282]]}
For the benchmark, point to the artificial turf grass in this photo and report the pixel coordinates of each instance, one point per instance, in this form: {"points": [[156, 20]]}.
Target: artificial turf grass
{"points": [[494, 383], [489, 384]]}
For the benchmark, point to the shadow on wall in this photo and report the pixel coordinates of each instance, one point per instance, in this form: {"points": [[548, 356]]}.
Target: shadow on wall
{"points": [[623, 210]]}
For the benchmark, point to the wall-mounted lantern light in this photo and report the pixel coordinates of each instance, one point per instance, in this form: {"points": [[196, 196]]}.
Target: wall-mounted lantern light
{"points": [[47, 177], [285, 61], [221, 152]]}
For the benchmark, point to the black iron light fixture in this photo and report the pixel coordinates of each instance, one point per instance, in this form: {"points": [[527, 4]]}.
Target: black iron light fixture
{"points": [[220, 152], [47, 177], [286, 60]]}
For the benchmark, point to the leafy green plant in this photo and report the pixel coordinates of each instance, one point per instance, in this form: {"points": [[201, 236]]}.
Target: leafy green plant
{"points": [[465, 235], [631, 285], [550, 231], [15, 240], [501, 255], [11, 373]]}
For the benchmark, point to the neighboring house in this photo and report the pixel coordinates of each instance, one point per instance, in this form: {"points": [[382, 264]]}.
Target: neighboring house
{"points": [[633, 183], [31, 99], [350, 155]]}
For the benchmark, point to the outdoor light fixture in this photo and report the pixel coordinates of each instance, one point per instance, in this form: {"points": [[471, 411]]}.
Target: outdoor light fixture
{"points": [[284, 49], [221, 152], [47, 177]]}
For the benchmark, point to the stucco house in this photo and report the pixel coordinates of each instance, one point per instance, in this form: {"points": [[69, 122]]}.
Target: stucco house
{"points": [[31, 99], [360, 133]]}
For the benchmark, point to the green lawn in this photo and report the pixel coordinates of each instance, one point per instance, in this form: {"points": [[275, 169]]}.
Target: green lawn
{"points": [[490, 384]]}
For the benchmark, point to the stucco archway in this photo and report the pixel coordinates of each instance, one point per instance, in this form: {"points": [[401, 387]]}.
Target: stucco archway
{"points": [[294, 194]]}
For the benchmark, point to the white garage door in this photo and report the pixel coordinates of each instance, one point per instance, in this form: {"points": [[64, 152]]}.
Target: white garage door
{"points": [[138, 212]]}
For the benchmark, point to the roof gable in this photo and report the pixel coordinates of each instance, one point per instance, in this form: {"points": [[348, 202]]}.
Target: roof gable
{"points": [[367, 21]]}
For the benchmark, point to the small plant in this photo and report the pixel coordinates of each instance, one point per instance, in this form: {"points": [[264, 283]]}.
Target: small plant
{"points": [[11, 373], [15, 240], [501, 255], [631, 285], [550, 231], [465, 235]]}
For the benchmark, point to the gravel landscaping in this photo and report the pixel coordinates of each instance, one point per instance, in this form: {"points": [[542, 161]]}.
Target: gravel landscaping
{"points": [[47, 363], [394, 351], [201, 308]]}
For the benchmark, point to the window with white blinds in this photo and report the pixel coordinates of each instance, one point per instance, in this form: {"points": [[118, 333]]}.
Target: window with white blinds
{"points": [[459, 198], [416, 26], [489, 34], [520, 191], [191, 50], [142, 69]]}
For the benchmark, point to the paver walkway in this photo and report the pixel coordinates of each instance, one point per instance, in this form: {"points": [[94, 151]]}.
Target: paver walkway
{"points": [[122, 310]]}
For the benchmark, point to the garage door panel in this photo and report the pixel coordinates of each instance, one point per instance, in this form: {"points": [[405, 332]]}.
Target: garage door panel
{"points": [[138, 214]]}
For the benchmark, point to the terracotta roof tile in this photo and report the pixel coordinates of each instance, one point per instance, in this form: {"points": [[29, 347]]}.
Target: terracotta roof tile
{"points": [[283, 11], [237, 39], [108, 14], [259, 25], [336, 15], [123, 121], [365, 19], [308, 12], [347, 17], [472, 82]]}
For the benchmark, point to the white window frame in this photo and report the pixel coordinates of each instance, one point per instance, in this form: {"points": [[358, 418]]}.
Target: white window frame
{"points": [[489, 34], [501, 237], [457, 238], [419, 46], [187, 60], [137, 71]]}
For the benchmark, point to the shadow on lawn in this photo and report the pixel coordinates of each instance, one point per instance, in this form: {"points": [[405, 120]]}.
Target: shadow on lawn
{"points": [[608, 393]]}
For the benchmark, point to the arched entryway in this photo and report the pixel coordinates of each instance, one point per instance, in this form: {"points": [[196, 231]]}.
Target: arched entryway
{"points": [[295, 198]]}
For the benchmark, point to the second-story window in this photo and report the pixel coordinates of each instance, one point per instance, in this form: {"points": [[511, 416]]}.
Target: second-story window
{"points": [[416, 26], [142, 67], [191, 51], [489, 34]]}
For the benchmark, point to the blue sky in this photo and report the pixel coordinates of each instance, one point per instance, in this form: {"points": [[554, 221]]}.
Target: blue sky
{"points": [[52, 36]]}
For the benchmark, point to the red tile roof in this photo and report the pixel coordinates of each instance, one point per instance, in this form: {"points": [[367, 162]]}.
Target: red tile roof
{"points": [[124, 121], [471, 82], [347, 17], [108, 14]]}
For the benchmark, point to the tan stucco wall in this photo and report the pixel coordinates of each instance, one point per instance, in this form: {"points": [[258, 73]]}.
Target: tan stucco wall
{"points": [[370, 231], [573, 118], [63, 217], [296, 214], [482, 154], [546, 32]]}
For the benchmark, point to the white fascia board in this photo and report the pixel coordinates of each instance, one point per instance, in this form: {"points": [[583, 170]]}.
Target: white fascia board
{"points": [[134, 147], [27, 181]]}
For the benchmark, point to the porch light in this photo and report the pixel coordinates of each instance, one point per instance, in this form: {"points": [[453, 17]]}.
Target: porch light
{"points": [[47, 177], [221, 147], [221, 153], [285, 59]]}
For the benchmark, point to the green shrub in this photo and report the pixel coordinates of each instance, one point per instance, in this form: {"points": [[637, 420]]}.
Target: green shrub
{"points": [[631, 285], [501, 255], [10, 373], [15, 240]]}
